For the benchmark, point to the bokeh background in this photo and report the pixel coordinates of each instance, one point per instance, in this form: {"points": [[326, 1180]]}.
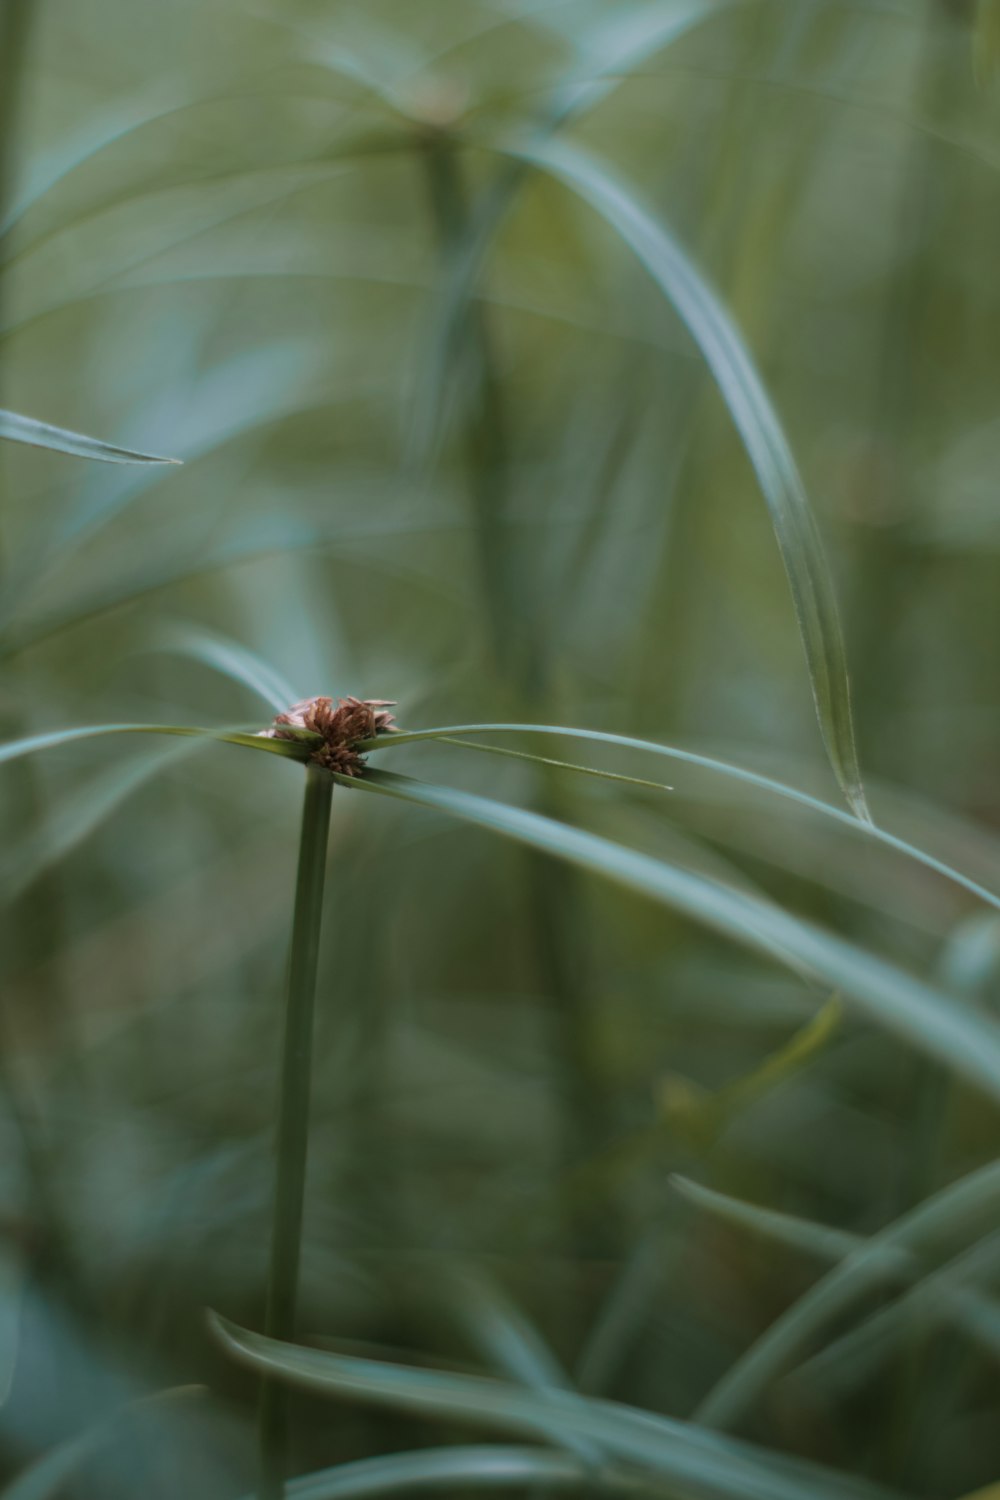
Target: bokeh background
{"points": [[232, 233]]}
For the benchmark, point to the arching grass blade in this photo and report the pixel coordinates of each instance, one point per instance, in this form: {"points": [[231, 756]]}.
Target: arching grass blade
{"points": [[453, 733], [927, 1018], [436, 1471], [795, 526], [700, 1464]]}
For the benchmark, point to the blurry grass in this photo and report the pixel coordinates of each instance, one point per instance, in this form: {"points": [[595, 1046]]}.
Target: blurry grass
{"points": [[473, 462], [665, 1448]]}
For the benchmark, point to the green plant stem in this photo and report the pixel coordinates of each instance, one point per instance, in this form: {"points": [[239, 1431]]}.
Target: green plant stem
{"points": [[509, 590], [484, 428], [293, 1120]]}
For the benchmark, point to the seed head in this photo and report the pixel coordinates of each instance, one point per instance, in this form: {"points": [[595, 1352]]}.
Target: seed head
{"points": [[343, 724]]}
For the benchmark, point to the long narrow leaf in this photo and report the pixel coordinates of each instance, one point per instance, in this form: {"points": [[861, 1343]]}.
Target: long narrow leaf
{"points": [[439, 1470], [975, 1313], [959, 1208], [234, 661], [18, 429], [513, 1346], [619, 50], [929, 1019], [450, 734], [821, 1240], [699, 1463], [624, 1316], [560, 765], [729, 360], [14, 749]]}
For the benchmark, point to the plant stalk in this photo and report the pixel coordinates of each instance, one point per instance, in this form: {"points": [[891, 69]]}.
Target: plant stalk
{"points": [[293, 1121], [484, 427], [520, 651]]}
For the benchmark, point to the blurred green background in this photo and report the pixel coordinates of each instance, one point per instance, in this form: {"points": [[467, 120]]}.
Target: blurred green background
{"points": [[234, 233]]}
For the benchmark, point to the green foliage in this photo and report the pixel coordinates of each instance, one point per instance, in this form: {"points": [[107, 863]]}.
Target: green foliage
{"points": [[663, 1447], [655, 1124]]}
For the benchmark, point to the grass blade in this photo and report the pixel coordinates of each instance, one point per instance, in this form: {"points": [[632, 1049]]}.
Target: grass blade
{"points": [[958, 1208], [950, 1294], [729, 360], [14, 749], [513, 1346], [820, 1240], [503, 1334], [624, 1314], [18, 429], [439, 1470], [234, 661], [451, 732], [618, 51], [927, 1018], [704, 1466], [560, 765], [944, 1291]]}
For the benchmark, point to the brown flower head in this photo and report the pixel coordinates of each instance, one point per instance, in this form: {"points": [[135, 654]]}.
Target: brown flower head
{"points": [[343, 724]]}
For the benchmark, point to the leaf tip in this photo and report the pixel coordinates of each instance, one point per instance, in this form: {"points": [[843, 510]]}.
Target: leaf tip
{"points": [[858, 802]]}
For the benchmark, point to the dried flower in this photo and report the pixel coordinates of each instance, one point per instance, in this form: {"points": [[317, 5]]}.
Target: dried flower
{"points": [[342, 724]]}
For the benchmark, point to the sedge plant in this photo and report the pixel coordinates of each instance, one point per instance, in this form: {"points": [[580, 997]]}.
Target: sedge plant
{"points": [[604, 1446], [332, 740]]}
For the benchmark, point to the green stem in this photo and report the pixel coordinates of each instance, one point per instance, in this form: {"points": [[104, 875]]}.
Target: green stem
{"points": [[510, 591], [293, 1121], [484, 425]]}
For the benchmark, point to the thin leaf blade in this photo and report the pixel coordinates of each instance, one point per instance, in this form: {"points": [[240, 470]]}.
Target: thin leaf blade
{"points": [[453, 733], [32, 744], [701, 1464], [20, 429], [929, 1019], [727, 356]]}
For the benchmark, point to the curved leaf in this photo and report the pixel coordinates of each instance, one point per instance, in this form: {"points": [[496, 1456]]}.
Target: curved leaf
{"points": [[439, 1470], [560, 765], [624, 1316], [615, 49], [512, 1345], [928, 1018], [959, 1208], [955, 1293], [449, 734], [943, 1291], [729, 360], [232, 660], [699, 1463], [821, 1240]]}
